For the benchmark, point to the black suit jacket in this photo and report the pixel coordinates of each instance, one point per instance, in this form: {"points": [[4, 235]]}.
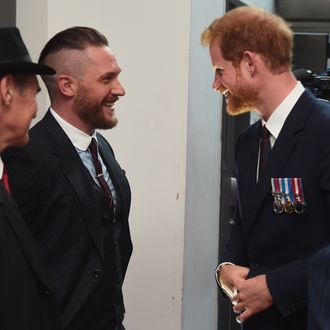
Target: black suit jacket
{"points": [[26, 299], [319, 291], [54, 194], [280, 245]]}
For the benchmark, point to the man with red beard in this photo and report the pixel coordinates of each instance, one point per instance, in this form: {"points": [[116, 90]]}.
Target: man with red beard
{"points": [[283, 171], [72, 193]]}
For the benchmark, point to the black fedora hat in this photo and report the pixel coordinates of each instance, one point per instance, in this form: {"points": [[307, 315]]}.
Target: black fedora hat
{"points": [[15, 58]]}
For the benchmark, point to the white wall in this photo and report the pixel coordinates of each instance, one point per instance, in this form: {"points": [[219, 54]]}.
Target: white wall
{"points": [[203, 179], [34, 31], [168, 141]]}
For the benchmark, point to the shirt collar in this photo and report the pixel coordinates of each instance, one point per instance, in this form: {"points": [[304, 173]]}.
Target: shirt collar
{"points": [[276, 121], [79, 139], [1, 168]]}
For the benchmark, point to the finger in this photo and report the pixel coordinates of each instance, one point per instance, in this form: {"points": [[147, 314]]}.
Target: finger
{"points": [[235, 300], [239, 320], [239, 308], [244, 316]]}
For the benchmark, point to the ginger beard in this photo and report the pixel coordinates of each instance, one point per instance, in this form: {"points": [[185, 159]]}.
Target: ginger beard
{"points": [[240, 99]]}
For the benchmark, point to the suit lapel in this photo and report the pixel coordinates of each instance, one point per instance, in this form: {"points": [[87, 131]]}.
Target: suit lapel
{"points": [[24, 236], [279, 155], [247, 167], [117, 176], [76, 173], [251, 158]]}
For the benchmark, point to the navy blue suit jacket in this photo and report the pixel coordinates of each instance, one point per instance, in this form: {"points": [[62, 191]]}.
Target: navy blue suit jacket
{"points": [[280, 245], [319, 291], [53, 191]]}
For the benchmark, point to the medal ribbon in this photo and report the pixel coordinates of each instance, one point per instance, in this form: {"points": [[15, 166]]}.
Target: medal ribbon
{"points": [[278, 205], [289, 187], [273, 186], [286, 189], [282, 189], [298, 190], [301, 193]]}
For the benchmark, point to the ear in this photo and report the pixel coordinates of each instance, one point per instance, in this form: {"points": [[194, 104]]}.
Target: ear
{"points": [[67, 85], [6, 89], [249, 63]]}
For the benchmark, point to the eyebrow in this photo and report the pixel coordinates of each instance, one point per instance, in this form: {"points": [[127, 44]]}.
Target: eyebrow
{"points": [[110, 74], [219, 68]]}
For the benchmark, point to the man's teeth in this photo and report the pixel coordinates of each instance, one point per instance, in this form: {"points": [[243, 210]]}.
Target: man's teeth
{"points": [[110, 105]]}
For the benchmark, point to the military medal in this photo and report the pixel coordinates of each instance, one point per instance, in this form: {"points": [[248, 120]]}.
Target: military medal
{"points": [[277, 205], [299, 205], [277, 193], [288, 195], [289, 199]]}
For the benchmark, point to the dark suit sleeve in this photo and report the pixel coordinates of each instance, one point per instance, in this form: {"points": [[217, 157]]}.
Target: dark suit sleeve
{"points": [[26, 300], [319, 291], [288, 286], [24, 180], [234, 250]]}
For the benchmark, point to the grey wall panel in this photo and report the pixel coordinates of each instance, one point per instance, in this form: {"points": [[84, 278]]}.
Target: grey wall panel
{"points": [[7, 13], [303, 10]]}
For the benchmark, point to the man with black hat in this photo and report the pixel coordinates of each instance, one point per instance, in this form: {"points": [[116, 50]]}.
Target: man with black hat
{"points": [[26, 300]]}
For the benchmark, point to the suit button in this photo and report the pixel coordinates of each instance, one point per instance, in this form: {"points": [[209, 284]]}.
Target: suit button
{"points": [[46, 293], [97, 273]]}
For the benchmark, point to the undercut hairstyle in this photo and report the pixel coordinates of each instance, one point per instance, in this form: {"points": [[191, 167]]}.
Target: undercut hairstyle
{"points": [[77, 37], [252, 29], [65, 52]]}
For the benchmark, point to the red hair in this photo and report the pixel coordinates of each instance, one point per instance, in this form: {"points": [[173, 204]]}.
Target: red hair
{"points": [[252, 29]]}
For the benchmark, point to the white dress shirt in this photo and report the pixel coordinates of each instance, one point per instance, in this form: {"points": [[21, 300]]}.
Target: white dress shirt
{"points": [[81, 142], [276, 121]]}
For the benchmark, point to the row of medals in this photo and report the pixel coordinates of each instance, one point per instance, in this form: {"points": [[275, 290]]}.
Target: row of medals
{"points": [[282, 201]]}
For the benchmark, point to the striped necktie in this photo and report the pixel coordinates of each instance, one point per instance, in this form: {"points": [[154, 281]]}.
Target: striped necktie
{"points": [[99, 174]]}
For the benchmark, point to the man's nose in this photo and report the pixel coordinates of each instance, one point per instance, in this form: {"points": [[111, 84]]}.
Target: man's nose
{"points": [[118, 89]]}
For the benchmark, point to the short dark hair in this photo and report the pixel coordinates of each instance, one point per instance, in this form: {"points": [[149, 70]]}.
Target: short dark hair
{"points": [[19, 79], [77, 37]]}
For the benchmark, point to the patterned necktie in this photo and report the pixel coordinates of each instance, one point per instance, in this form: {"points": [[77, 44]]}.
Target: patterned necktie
{"points": [[99, 174], [265, 148]]}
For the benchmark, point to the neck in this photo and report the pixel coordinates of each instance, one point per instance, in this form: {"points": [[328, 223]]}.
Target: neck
{"points": [[274, 90], [66, 112]]}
